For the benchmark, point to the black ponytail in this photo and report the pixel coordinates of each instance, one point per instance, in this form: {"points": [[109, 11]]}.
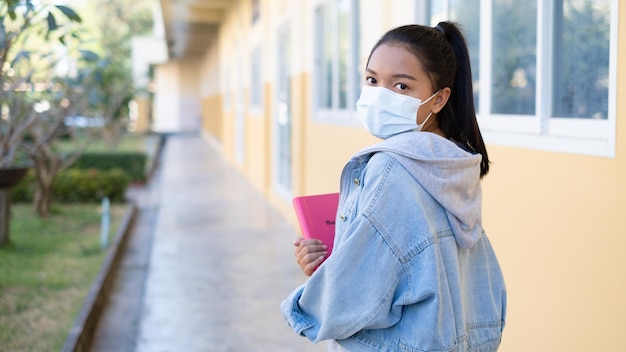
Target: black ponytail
{"points": [[443, 52], [458, 118]]}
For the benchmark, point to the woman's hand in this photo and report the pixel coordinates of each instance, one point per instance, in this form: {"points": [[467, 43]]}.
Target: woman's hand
{"points": [[310, 253]]}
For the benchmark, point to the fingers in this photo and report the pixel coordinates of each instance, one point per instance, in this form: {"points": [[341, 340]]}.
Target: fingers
{"points": [[306, 242], [309, 269], [310, 253], [309, 250]]}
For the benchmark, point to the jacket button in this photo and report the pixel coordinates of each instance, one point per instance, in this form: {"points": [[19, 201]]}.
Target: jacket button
{"points": [[343, 217], [357, 181]]}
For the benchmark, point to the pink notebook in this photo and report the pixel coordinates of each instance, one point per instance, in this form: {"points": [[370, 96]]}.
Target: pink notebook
{"points": [[316, 215]]}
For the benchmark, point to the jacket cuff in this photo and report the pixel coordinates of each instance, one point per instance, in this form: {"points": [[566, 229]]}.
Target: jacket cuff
{"points": [[293, 314]]}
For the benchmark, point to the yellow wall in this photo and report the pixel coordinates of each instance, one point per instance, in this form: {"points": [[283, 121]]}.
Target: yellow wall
{"points": [[554, 219], [258, 155], [212, 116], [142, 124]]}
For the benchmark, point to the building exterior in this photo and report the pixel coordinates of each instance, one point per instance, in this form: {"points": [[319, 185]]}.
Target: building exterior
{"points": [[274, 87]]}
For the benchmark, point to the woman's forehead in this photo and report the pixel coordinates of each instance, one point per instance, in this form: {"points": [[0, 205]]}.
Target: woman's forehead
{"points": [[393, 59]]}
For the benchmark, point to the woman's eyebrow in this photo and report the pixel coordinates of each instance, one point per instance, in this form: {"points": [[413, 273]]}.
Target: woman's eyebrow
{"points": [[397, 75], [404, 75]]}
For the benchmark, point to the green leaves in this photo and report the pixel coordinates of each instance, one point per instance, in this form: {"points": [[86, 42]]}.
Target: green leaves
{"points": [[89, 55], [23, 54], [52, 22], [69, 13]]}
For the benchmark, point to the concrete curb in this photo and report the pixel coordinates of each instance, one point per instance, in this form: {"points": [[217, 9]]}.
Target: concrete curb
{"points": [[81, 333]]}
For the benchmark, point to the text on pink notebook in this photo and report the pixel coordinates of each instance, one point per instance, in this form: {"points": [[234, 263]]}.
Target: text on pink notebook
{"points": [[316, 215]]}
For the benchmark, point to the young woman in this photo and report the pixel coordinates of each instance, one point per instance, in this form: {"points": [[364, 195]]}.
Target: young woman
{"points": [[411, 268]]}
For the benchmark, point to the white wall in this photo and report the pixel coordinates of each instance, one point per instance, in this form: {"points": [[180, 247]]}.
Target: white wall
{"points": [[177, 106]]}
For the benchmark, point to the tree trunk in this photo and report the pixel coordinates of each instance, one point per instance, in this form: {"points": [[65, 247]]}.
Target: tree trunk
{"points": [[5, 214], [45, 170], [43, 199]]}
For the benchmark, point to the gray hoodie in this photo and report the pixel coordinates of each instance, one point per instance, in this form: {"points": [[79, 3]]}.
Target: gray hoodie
{"points": [[448, 173]]}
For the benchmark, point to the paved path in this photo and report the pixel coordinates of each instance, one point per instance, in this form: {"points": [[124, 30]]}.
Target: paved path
{"points": [[221, 261]]}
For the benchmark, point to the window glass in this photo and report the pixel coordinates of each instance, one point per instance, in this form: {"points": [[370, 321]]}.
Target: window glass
{"points": [[256, 10], [546, 74], [336, 80], [467, 14], [581, 58], [514, 57], [324, 60], [256, 85], [226, 89], [344, 51]]}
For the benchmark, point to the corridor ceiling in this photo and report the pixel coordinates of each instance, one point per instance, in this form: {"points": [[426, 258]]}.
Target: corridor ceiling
{"points": [[192, 25]]}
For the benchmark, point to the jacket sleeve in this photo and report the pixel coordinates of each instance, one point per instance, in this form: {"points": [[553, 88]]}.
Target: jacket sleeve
{"points": [[354, 289]]}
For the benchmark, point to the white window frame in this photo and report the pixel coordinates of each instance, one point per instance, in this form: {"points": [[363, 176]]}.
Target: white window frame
{"points": [[335, 114], [541, 131]]}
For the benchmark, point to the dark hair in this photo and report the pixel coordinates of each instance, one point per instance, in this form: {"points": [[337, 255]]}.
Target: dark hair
{"points": [[444, 56]]}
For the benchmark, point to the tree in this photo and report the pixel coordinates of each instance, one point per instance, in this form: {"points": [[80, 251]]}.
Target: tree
{"points": [[115, 23], [23, 22], [20, 22], [64, 98]]}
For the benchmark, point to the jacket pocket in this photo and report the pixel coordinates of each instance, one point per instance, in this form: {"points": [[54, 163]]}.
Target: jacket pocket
{"points": [[484, 337]]}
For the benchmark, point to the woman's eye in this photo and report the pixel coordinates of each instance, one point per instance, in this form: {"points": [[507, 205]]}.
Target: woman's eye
{"points": [[371, 80], [401, 86]]}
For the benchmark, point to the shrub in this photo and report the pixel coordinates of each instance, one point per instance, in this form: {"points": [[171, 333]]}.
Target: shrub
{"points": [[133, 163], [23, 192], [76, 185]]}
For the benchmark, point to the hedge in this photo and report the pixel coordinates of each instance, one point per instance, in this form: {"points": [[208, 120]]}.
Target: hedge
{"points": [[133, 163], [76, 185]]}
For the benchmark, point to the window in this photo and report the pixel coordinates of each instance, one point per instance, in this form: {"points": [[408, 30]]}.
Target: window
{"points": [[544, 78], [256, 81], [337, 79], [256, 10], [227, 92]]}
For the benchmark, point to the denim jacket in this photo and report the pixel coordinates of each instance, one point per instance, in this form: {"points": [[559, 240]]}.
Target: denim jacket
{"points": [[411, 268]]}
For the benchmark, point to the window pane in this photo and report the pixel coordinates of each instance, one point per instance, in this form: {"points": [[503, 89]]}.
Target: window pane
{"points": [[329, 54], [336, 77], [467, 14], [255, 10], [514, 57], [581, 58], [436, 12], [324, 57], [256, 86], [344, 50]]}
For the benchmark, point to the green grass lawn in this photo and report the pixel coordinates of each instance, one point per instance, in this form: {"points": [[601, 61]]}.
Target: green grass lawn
{"points": [[47, 271]]}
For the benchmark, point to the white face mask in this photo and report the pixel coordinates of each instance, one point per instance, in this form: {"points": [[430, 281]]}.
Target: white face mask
{"points": [[386, 113]]}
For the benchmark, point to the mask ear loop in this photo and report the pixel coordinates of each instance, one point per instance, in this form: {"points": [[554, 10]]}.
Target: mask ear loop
{"points": [[421, 125], [432, 96]]}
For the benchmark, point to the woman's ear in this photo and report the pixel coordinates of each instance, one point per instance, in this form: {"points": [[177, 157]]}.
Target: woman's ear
{"points": [[440, 100]]}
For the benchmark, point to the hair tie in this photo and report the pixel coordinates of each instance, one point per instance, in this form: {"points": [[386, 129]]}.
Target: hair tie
{"points": [[441, 30]]}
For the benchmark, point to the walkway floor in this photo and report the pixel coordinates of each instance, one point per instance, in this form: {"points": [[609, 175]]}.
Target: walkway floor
{"points": [[207, 265]]}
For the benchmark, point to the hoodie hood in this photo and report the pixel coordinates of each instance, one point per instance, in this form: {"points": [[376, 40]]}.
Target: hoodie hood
{"points": [[448, 173]]}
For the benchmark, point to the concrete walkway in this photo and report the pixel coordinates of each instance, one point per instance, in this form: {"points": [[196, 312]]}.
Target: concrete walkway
{"points": [[220, 263]]}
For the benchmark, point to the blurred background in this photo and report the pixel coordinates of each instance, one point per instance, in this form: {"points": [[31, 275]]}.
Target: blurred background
{"points": [[90, 87]]}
